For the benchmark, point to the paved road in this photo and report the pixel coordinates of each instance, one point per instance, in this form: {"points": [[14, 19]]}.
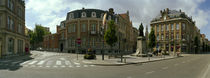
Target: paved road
{"points": [[194, 66]]}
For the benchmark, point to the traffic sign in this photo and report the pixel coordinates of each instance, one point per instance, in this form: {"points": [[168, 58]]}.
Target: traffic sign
{"points": [[78, 41]]}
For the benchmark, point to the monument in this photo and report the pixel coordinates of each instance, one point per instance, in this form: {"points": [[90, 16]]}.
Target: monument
{"points": [[141, 43]]}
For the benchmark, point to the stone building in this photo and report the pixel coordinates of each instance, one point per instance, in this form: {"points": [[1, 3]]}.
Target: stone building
{"points": [[13, 40], [85, 25], [175, 31]]}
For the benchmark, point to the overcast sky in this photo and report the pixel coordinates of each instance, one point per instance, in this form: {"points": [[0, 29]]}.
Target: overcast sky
{"points": [[50, 13]]}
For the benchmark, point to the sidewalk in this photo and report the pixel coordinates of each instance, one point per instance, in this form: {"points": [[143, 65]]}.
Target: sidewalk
{"points": [[127, 60]]}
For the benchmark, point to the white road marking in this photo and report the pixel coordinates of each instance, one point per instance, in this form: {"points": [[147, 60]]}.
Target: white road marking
{"points": [[58, 62], [76, 63], [70, 66], [150, 72], [85, 65], [47, 66], [129, 77], [33, 66], [40, 63], [55, 66], [24, 62], [67, 63], [183, 62], [92, 65], [32, 62]]}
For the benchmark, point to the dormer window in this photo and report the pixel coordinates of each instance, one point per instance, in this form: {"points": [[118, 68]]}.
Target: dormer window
{"points": [[93, 14], [83, 14], [110, 17], [102, 15], [71, 16]]}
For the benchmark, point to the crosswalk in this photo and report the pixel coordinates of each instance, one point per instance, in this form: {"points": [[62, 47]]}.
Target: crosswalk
{"points": [[58, 63]]}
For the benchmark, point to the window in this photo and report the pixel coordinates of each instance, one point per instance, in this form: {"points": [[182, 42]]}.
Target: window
{"points": [[162, 27], [162, 37], [62, 35], [0, 20], [83, 14], [20, 46], [93, 41], [157, 28], [10, 5], [93, 14], [19, 28], [12, 25], [8, 22], [158, 37], [177, 36], [69, 29], [74, 28], [93, 27], [172, 36], [167, 27], [172, 27], [110, 17], [177, 26], [83, 41], [83, 27], [10, 45], [52, 37], [71, 16], [166, 36], [183, 26], [102, 15]]}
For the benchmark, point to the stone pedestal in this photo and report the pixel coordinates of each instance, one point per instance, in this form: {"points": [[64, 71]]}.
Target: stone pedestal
{"points": [[141, 47]]}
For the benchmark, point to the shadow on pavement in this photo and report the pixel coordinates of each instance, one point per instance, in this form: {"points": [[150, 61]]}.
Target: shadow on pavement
{"points": [[14, 63]]}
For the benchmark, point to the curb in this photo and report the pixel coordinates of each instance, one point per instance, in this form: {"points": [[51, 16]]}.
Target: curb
{"points": [[134, 62]]}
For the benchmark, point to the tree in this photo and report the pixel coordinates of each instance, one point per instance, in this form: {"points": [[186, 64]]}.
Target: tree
{"points": [[110, 34], [196, 44], [152, 40], [36, 36], [141, 30]]}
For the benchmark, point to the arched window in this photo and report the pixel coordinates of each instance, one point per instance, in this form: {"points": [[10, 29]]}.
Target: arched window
{"points": [[11, 45], [83, 14], [71, 16], [93, 14]]}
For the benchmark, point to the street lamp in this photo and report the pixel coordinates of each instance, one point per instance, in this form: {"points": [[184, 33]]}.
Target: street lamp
{"points": [[102, 35]]}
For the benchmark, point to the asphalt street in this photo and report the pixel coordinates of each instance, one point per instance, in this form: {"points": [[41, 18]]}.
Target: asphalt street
{"points": [[192, 66]]}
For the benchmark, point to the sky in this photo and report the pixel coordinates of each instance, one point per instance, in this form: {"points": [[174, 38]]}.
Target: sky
{"points": [[50, 13]]}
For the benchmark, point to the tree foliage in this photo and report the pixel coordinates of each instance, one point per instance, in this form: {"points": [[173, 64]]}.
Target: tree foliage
{"points": [[110, 34], [152, 40], [36, 36]]}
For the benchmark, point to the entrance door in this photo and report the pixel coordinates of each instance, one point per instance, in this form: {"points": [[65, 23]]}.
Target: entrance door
{"points": [[61, 47]]}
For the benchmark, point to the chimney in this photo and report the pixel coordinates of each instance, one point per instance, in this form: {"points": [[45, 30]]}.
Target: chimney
{"points": [[180, 10], [111, 10]]}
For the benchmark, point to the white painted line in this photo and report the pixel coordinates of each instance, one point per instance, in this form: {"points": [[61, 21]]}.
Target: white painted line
{"points": [[33, 66], [76, 63], [183, 62], [47, 66], [55, 66], [32, 62], [24, 62], [58, 62], [150, 72], [40, 66], [92, 65], [85, 65], [40, 63], [206, 72], [67, 62], [70, 66]]}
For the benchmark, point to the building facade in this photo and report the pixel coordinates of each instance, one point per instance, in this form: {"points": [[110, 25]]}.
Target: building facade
{"points": [[174, 31], [12, 27], [85, 25]]}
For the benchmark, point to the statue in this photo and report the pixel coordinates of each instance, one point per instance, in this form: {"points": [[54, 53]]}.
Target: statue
{"points": [[141, 30]]}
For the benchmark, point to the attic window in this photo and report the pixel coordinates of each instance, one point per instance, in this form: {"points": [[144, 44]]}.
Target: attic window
{"points": [[83, 14], [93, 14]]}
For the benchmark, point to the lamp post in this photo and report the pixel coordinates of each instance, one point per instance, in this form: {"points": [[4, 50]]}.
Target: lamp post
{"points": [[102, 35]]}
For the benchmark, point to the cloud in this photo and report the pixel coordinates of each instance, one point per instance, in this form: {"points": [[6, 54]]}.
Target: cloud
{"points": [[52, 12]]}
